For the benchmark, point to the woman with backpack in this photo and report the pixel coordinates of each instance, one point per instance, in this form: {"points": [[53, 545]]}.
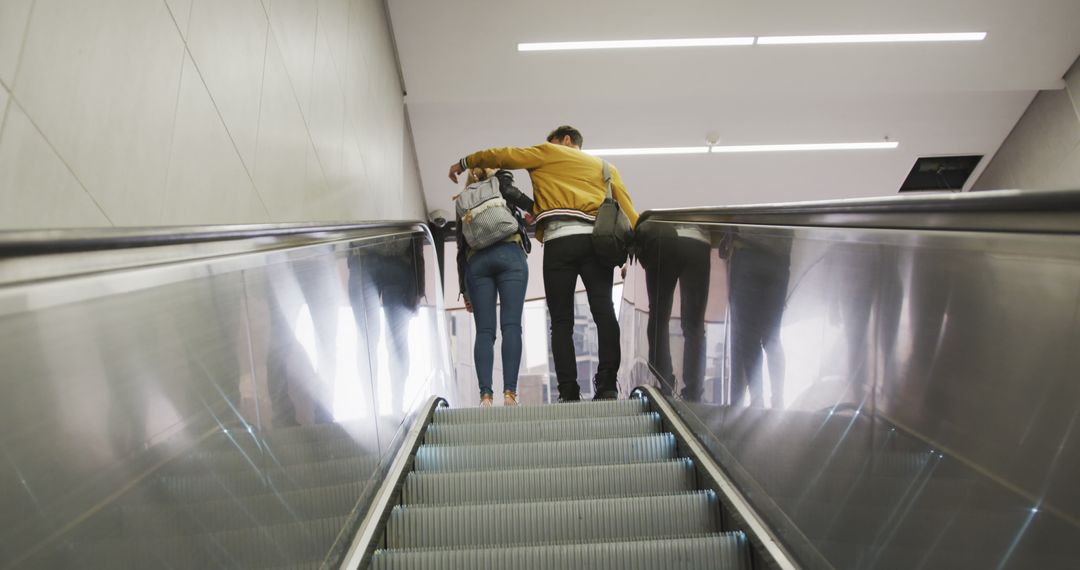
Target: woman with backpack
{"points": [[492, 267]]}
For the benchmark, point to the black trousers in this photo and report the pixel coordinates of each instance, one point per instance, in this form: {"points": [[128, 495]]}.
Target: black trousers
{"points": [[565, 259], [687, 264]]}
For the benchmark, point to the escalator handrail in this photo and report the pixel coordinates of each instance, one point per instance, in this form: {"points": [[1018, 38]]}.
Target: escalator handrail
{"points": [[369, 531], [999, 210], [38, 242], [759, 531]]}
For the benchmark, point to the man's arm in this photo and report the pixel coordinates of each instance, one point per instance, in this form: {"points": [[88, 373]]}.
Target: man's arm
{"points": [[507, 157], [621, 196], [511, 193]]}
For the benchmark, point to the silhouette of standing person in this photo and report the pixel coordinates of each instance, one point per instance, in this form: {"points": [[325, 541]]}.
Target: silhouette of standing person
{"points": [[676, 254], [385, 287], [758, 270], [302, 292], [867, 297]]}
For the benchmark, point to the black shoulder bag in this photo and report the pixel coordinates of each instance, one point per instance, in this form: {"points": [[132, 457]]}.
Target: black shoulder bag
{"points": [[612, 234]]}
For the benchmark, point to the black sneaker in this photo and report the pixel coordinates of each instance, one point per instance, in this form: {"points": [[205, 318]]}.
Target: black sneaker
{"points": [[606, 395], [605, 389], [566, 399]]}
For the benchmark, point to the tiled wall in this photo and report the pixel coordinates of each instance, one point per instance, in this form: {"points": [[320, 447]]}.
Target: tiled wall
{"points": [[160, 112], [1043, 150]]}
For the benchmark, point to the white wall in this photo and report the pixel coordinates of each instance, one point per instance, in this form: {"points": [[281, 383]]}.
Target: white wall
{"points": [[160, 112], [1043, 150]]}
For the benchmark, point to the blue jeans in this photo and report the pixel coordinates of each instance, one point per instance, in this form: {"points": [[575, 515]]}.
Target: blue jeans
{"points": [[499, 270]]}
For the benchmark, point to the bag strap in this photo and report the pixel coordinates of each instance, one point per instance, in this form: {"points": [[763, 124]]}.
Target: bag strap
{"points": [[607, 177]]}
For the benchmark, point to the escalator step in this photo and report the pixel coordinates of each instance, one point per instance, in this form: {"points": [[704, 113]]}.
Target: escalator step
{"points": [[256, 481], [540, 413], [148, 520], [562, 483], [550, 430], [728, 551], [553, 521], [640, 449]]}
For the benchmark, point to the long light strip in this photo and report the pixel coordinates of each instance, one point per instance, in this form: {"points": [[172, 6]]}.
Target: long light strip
{"points": [[627, 44], [873, 38], [743, 148], [750, 40]]}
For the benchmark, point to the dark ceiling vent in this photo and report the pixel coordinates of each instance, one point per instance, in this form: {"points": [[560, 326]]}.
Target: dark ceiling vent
{"points": [[940, 173]]}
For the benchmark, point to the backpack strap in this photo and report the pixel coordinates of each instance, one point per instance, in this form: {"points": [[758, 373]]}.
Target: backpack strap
{"points": [[607, 177]]}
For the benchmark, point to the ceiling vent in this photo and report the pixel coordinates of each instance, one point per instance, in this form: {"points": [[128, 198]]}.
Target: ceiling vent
{"points": [[940, 173]]}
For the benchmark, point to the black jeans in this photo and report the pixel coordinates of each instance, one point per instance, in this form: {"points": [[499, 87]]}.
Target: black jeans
{"points": [[686, 263], [565, 259]]}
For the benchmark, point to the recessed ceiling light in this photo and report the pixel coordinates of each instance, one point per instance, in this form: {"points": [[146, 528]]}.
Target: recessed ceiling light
{"points": [[873, 38], [626, 44], [743, 148]]}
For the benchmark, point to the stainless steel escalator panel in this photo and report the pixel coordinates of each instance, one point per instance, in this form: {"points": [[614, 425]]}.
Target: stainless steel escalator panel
{"points": [[115, 373], [919, 380]]}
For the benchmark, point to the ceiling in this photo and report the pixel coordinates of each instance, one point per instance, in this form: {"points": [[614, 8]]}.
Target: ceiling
{"points": [[468, 88]]}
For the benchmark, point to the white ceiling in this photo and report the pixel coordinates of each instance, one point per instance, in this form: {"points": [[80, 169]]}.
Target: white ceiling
{"points": [[469, 88]]}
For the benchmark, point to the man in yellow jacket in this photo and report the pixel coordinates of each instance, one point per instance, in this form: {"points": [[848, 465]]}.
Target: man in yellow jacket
{"points": [[568, 189]]}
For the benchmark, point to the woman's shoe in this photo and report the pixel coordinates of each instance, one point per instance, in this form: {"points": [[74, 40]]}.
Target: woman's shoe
{"points": [[510, 398], [486, 400]]}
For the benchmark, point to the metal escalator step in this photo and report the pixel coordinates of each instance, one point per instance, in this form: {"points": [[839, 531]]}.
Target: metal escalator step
{"points": [[256, 481], [726, 551], [243, 457], [163, 520], [553, 522], [540, 413], [296, 542], [641, 449], [549, 430], [562, 483]]}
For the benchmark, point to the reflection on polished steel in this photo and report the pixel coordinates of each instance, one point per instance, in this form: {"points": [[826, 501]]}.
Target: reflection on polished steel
{"points": [[899, 398], [228, 406]]}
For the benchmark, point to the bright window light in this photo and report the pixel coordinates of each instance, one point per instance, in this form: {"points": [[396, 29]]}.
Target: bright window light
{"points": [[873, 38], [627, 44], [743, 148]]}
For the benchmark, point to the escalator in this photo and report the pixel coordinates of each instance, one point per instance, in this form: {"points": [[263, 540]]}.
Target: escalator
{"points": [[265, 398], [579, 485]]}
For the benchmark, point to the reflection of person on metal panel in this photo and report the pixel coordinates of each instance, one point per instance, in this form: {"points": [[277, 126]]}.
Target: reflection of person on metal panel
{"points": [[302, 356], [676, 255], [385, 286], [867, 297], [759, 269]]}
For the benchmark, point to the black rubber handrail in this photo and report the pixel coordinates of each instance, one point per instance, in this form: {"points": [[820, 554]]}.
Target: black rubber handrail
{"points": [[38, 242], [1001, 210]]}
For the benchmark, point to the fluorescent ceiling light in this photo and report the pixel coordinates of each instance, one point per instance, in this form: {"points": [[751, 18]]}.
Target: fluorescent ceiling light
{"points": [[873, 38], [625, 44], [744, 148], [639, 151]]}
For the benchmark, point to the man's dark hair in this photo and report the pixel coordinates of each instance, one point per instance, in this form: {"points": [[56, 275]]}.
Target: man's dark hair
{"points": [[560, 132]]}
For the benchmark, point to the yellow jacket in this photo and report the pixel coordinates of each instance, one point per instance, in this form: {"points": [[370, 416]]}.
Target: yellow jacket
{"points": [[566, 181]]}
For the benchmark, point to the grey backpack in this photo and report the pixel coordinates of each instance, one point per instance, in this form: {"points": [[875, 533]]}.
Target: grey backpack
{"points": [[484, 215]]}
